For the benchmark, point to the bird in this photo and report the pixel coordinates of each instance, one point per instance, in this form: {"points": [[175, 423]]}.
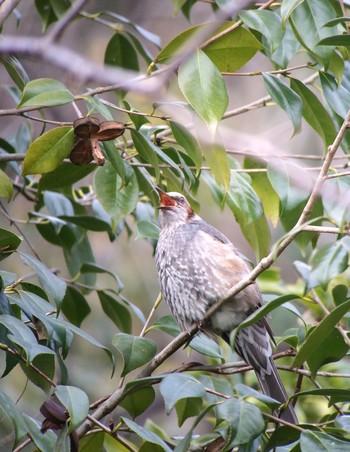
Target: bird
{"points": [[197, 265]]}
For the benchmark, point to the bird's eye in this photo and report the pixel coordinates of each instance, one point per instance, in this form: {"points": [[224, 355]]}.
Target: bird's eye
{"points": [[181, 200]]}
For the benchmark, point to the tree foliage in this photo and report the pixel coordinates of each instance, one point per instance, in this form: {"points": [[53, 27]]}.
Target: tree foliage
{"points": [[153, 114]]}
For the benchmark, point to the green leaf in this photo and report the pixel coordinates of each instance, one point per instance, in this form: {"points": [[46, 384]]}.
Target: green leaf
{"points": [[6, 188], [233, 50], [314, 112], [15, 70], [115, 311], [337, 40], [206, 346], [91, 267], [338, 97], [74, 306], [14, 415], [333, 191], [287, 7], [204, 88], [263, 188], [9, 242], [117, 200], [137, 401], [217, 159], [268, 23], [229, 52], [188, 143], [52, 284], [245, 420], [120, 165], [245, 391], [167, 324], [175, 387], [285, 178], [188, 407], [45, 362], [47, 152], [136, 351], [331, 350], [286, 98], [120, 52], [146, 150], [146, 229], [308, 21], [22, 335], [242, 197], [45, 92], [76, 403], [87, 222], [310, 441], [64, 175], [146, 434], [329, 261], [318, 337], [43, 441]]}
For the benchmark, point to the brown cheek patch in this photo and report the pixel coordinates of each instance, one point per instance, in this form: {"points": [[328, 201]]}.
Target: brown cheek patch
{"points": [[166, 201]]}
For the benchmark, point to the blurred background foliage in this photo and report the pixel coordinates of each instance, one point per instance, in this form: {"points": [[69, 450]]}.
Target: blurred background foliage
{"points": [[240, 106]]}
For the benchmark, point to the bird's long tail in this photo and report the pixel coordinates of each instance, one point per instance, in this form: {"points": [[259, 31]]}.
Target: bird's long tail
{"points": [[253, 345]]}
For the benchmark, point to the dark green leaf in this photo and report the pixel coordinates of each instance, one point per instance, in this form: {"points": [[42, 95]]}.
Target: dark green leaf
{"points": [[52, 284], [188, 407], [175, 387], [135, 350], [310, 441], [15, 416], [64, 175], [329, 351], [120, 52], [90, 267], [242, 197], [76, 255], [204, 88], [21, 335], [43, 441], [86, 222], [115, 311], [74, 306], [138, 401], [188, 142], [15, 70], [338, 40], [167, 324], [9, 242], [244, 418], [146, 434], [338, 97], [282, 436], [120, 165], [319, 335], [308, 20], [268, 23], [286, 98], [116, 199], [314, 112], [76, 403], [47, 152], [45, 92], [245, 392], [46, 364], [206, 346], [146, 150]]}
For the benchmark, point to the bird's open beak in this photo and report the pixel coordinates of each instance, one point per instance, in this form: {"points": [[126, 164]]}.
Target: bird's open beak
{"points": [[165, 199]]}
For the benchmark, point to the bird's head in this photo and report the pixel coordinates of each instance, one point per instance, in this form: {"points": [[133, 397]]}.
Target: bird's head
{"points": [[173, 209]]}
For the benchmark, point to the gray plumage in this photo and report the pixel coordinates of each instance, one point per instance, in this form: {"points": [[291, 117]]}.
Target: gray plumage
{"points": [[197, 265]]}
